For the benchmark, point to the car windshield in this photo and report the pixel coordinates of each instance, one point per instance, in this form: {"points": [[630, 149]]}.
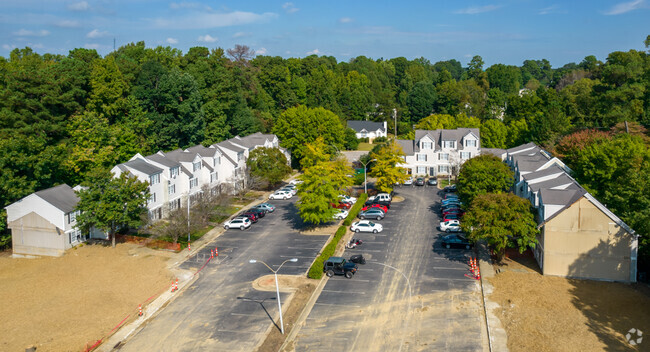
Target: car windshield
{"points": [[371, 223]]}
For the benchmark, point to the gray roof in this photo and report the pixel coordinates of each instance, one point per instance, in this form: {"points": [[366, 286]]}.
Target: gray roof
{"points": [[207, 166], [62, 197], [563, 179], [529, 163], [369, 126], [225, 155], [446, 135], [253, 140], [202, 151], [180, 155], [500, 153], [554, 169], [521, 147], [229, 145], [407, 146], [161, 159], [143, 166], [561, 196]]}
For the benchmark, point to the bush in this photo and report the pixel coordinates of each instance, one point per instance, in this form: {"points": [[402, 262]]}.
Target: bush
{"points": [[380, 140], [355, 209], [316, 270]]}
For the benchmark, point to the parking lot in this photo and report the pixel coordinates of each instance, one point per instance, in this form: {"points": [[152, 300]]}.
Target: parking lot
{"points": [[221, 310], [411, 295]]}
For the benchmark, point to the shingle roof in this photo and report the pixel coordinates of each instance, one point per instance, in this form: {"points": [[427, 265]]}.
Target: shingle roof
{"points": [[554, 169], [561, 196], [253, 140], [561, 180], [366, 125], [407, 146], [62, 197], [161, 159], [229, 145], [494, 151], [180, 155], [143, 166], [202, 151], [447, 135], [521, 148]]}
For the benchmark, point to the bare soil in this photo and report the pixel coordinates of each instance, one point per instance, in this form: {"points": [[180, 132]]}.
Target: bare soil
{"points": [[65, 303], [543, 313], [322, 230]]}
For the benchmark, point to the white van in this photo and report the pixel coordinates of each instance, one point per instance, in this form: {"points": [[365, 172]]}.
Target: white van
{"points": [[384, 197]]}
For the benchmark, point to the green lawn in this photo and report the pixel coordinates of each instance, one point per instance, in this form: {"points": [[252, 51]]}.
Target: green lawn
{"points": [[366, 147]]}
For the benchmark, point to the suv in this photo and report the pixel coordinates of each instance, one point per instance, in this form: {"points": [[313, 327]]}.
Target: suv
{"points": [[372, 213], [338, 266]]}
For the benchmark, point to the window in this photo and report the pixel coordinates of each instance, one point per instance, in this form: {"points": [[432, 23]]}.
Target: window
{"points": [[422, 170], [197, 166], [449, 144], [443, 156], [426, 145], [171, 189], [465, 155], [240, 156], [214, 177], [443, 169], [72, 217], [175, 204], [194, 182], [174, 171], [152, 198], [422, 157], [470, 142], [217, 161], [154, 179]]}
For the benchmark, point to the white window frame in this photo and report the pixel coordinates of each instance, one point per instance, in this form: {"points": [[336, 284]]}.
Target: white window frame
{"points": [[196, 166], [214, 177], [154, 179], [449, 144], [171, 189], [421, 157], [443, 156], [474, 143], [194, 182], [443, 169], [174, 171], [426, 145], [421, 170], [465, 155]]}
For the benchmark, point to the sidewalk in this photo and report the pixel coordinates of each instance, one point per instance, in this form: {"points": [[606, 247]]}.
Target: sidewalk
{"points": [[498, 340]]}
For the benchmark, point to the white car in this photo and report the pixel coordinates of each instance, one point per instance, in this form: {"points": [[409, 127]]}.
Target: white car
{"points": [[340, 214], [408, 181], [281, 195], [366, 226], [295, 181], [238, 222], [347, 199], [293, 191], [450, 226]]}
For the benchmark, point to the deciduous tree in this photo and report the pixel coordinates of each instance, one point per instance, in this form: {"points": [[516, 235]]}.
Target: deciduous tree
{"points": [[268, 164], [385, 167], [481, 175]]}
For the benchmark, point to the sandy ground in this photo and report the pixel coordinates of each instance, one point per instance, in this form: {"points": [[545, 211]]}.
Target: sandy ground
{"points": [[61, 304], [542, 313]]}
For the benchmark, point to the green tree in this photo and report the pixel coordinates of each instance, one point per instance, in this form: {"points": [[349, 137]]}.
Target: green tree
{"points": [[301, 125], [268, 164], [351, 141], [481, 175], [505, 77], [112, 202], [315, 152], [385, 167], [493, 134], [322, 184], [421, 100], [437, 121], [501, 220]]}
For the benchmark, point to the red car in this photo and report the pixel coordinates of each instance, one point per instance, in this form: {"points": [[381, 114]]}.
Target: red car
{"points": [[452, 212], [382, 207], [340, 205], [251, 216]]}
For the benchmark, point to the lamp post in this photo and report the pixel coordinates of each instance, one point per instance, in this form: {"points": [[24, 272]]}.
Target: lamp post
{"points": [[365, 180], [277, 287]]}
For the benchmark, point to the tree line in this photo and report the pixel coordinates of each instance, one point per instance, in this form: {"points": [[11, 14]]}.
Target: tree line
{"points": [[64, 118]]}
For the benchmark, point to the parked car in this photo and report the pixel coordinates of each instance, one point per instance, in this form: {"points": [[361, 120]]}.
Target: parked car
{"points": [[381, 196], [451, 196], [293, 191], [451, 217], [339, 266], [450, 207], [295, 182], [450, 226], [341, 214], [372, 213], [452, 212], [450, 188], [380, 202], [366, 226], [456, 241], [268, 207], [347, 199], [257, 211], [375, 205], [340, 205], [250, 216], [432, 181], [419, 181], [237, 223], [408, 182], [281, 195]]}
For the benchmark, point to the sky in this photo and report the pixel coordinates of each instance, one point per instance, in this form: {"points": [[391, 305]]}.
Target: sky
{"points": [[507, 31]]}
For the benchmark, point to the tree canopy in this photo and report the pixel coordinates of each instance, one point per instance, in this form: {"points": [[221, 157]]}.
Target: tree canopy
{"points": [[481, 175], [268, 164], [385, 167]]}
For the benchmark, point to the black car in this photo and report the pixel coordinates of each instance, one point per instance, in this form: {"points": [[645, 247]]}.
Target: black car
{"points": [[338, 266], [257, 211], [456, 241], [419, 181], [432, 182], [451, 188]]}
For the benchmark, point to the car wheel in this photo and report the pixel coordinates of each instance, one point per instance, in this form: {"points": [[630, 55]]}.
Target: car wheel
{"points": [[285, 198], [467, 246], [226, 227], [242, 228], [362, 217], [374, 231], [329, 273], [447, 246], [447, 231], [379, 218], [357, 230], [348, 274]]}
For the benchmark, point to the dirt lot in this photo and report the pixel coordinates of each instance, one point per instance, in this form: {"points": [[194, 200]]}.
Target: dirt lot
{"points": [[61, 304], [541, 313]]}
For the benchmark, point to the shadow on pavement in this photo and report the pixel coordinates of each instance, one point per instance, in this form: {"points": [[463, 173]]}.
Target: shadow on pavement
{"points": [[261, 303], [453, 254]]}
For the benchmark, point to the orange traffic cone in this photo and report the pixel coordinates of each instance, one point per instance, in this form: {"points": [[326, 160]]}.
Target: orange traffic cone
{"points": [[139, 310], [173, 286], [216, 251], [176, 285], [189, 247]]}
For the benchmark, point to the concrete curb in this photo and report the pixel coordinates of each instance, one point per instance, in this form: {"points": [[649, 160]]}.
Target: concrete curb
{"points": [[497, 338]]}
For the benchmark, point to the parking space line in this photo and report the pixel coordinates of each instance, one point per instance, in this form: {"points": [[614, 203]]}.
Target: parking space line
{"points": [[296, 256], [357, 292], [453, 279], [336, 304], [304, 247], [241, 331], [355, 280], [372, 250], [248, 315]]}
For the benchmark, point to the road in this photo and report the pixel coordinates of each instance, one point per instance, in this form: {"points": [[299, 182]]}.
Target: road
{"points": [[221, 311], [437, 308]]}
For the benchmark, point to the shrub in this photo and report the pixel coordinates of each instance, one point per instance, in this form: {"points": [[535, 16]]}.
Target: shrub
{"points": [[355, 209], [380, 140], [316, 270]]}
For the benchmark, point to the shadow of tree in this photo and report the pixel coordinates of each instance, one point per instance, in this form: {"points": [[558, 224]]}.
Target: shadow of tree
{"points": [[612, 308], [452, 254]]}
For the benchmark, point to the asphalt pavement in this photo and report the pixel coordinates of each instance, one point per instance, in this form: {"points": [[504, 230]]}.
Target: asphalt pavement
{"points": [[221, 311], [412, 294]]}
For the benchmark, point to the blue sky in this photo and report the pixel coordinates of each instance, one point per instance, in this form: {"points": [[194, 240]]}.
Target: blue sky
{"points": [[507, 31]]}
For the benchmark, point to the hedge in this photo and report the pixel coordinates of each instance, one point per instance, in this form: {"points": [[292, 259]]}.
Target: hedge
{"points": [[316, 270]]}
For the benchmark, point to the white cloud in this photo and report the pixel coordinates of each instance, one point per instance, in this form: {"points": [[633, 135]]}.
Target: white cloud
{"points": [[345, 20], [476, 9], [171, 40], [92, 46], [96, 33], [68, 24], [202, 20], [207, 38], [261, 51], [314, 52], [189, 6], [550, 10], [626, 7], [289, 7], [240, 35], [28, 33], [79, 6]]}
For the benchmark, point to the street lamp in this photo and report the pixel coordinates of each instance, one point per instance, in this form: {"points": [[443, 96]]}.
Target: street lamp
{"points": [[277, 287], [365, 180]]}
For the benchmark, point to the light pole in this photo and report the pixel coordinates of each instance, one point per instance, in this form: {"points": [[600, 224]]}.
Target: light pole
{"points": [[277, 287], [365, 180]]}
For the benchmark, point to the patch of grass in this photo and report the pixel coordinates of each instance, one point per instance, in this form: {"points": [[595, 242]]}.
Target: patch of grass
{"points": [[443, 182], [366, 147]]}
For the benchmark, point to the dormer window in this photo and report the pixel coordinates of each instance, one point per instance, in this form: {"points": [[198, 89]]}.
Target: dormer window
{"points": [[174, 171], [426, 145], [471, 142], [197, 166], [449, 144], [217, 161]]}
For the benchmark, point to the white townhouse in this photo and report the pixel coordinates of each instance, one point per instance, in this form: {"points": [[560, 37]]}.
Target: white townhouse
{"points": [[44, 222], [368, 129], [579, 237], [145, 171], [439, 152]]}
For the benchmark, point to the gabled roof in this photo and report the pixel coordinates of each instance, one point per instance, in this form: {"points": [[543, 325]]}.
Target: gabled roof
{"points": [[162, 160], [230, 146], [447, 135], [564, 197], [563, 181], [500, 153], [202, 151], [522, 148], [253, 140], [62, 197], [407, 146], [207, 166], [143, 166], [551, 170], [181, 156], [370, 126]]}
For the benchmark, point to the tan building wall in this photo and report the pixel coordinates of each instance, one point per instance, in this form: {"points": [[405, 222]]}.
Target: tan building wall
{"points": [[34, 235], [583, 242]]}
